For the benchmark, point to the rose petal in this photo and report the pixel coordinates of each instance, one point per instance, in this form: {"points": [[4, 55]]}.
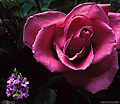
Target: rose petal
{"points": [[81, 54], [90, 10], [43, 50], [75, 24], [81, 66], [75, 45], [103, 40], [36, 22], [115, 24], [60, 38], [105, 7], [97, 77]]}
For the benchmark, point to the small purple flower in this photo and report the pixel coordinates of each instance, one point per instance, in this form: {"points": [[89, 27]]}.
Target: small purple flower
{"points": [[17, 86], [13, 75], [9, 85], [26, 95], [18, 76], [11, 79], [24, 79], [8, 94], [14, 87], [16, 81], [25, 84]]}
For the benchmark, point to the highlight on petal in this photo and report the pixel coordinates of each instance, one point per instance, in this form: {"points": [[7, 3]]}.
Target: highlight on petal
{"points": [[36, 22], [114, 19], [97, 77], [103, 40], [65, 60], [43, 50], [90, 10], [105, 7]]}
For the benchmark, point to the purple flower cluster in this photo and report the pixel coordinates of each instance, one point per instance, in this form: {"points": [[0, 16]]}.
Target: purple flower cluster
{"points": [[17, 86]]}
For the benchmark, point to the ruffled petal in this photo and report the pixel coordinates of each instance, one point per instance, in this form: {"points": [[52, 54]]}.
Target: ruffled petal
{"points": [[81, 66], [43, 50], [97, 77], [103, 40], [75, 24], [115, 24], [90, 10], [36, 22], [105, 7]]}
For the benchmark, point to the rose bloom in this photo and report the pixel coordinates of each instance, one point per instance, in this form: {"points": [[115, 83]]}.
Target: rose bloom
{"points": [[81, 45]]}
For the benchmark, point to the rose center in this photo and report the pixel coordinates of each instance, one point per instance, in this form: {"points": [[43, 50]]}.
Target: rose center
{"points": [[85, 34], [77, 43]]}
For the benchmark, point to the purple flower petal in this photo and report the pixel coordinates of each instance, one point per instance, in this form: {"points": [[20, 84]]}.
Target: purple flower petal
{"points": [[16, 81], [13, 75]]}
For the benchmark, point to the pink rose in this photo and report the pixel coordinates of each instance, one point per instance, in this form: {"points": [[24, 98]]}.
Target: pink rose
{"points": [[81, 45]]}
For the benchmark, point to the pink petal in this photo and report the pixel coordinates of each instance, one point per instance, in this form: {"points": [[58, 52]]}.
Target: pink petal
{"points": [[97, 77], [36, 22], [75, 24], [90, 10], [105, 7], [43, 50], [81, 66], [74, 46], [77, 41], [60, 38], [103, 40], [115, 24]]}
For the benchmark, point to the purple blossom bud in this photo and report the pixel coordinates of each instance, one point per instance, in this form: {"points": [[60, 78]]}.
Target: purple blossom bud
{"points": [[13, 75], [24, 79], [18, 76], [11, 89]]}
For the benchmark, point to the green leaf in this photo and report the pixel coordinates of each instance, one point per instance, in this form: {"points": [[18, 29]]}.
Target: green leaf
{"points": [[21, 1], [15, 70], [113, 9], [16, 95], [118, 11], [61, 5], [20, 76], [45, 3], [32, 12], [49, 2], [45, 96], [27, 6]]}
